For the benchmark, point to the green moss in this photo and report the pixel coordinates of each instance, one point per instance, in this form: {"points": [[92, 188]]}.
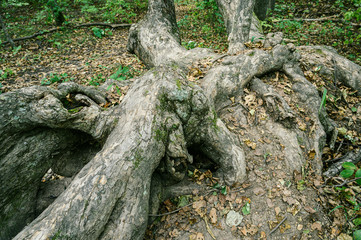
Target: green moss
{"points": [[59, 236], [251, 54], [214, 120], [161, 135], [179, 84], [138, 158], [75, 110], [300, 140], [319, 51]]}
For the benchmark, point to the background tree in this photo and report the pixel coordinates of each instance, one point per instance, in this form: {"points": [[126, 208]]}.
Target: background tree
{"points": [[262, 8]]}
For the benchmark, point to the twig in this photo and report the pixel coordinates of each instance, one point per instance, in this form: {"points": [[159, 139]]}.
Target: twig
{"points": [[103, 25], [76, 26], [220, 57], [330, 18], [178, 209], [169, 213], [339, 147], [208, 228], [278, 225], [347, 182]]}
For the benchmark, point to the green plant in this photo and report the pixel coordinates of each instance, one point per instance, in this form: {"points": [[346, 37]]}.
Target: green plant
{"points": [[192, 44], [99, 33], [16, 50], [221, 188], [56, 78], [97, 80], [203, 26], [123, 73], [5, 73], [323, 100], [125, 10], [351, 204]]}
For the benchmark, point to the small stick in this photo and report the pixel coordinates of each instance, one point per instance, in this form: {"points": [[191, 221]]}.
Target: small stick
{"points": [[178, 209], [347, 182], [278, 225], [169, 213], [208, 228]]}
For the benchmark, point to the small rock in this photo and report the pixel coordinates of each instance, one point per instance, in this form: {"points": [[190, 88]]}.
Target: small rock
{"points": [[233, 218]]}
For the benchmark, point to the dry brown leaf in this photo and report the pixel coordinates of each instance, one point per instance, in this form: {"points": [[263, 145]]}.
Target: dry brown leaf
{"points": [[213, 216], [250, 144], [309, 209], [316, 225], [277, 210], [196, 236]]}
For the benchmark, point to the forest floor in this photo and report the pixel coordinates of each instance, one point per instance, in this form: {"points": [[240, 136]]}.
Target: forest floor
{"points": [[298, 204]]}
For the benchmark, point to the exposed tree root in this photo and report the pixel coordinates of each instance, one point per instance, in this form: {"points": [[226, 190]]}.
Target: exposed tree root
{"points": [[138, 151]]}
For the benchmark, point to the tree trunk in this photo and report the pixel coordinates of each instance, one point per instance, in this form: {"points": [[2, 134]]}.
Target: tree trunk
{"points": [[57, 12], [262, 7], [237, 17], [125, 159]]}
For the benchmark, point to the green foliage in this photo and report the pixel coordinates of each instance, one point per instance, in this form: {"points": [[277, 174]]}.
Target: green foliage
{"points": [[351, 205], [123, 73], [56, 78], [16, 50], [4, 74], [14, 3], [97, 80], [323, 100], [204, 23], [343, 34], [112, 10], [357, 235], [123, 9], [246, 209], [183, 200], [99, 33]]}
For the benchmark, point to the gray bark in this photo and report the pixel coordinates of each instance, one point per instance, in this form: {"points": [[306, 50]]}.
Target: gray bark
{"points": [[237, 17]]}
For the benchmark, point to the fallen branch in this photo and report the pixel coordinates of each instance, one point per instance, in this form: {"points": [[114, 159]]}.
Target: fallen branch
{"points": [[209, 230], [103, 25], [76, 26], [278, 225], [347, 182], [169, 213], [178, 209], [330, 18]]}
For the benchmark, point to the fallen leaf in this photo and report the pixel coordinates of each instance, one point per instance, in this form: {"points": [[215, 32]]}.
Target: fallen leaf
{"points": [[309, 209], [277, 210], [213, 215], [316, 225], [299, 227], [250, 144]]}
